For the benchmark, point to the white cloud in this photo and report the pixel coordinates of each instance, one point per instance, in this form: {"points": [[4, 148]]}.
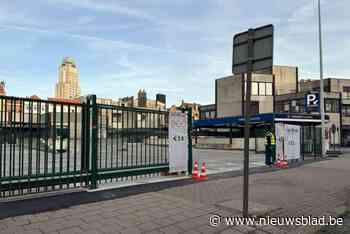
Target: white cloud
{"points": [[105, 6], [83, 20], [304, 11]]}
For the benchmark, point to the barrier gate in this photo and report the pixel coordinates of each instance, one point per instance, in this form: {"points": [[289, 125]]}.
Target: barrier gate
{"points": [[50, 145]]}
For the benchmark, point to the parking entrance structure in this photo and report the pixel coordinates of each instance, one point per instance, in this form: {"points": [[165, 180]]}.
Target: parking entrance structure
{"points": [[232, 128]]}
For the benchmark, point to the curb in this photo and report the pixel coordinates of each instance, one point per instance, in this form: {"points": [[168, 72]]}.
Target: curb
{"points": [[34, 205]]}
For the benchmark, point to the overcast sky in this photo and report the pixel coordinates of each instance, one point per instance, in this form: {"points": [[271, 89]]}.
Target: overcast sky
{"points": [[174, 47]]}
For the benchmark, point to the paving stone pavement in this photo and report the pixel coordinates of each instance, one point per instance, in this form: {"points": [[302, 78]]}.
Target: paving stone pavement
{"points": [[316, 189]]}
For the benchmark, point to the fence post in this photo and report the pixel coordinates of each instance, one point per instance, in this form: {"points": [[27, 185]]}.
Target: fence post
{"points": [[93, 142], [189, 129], [85, 139]]}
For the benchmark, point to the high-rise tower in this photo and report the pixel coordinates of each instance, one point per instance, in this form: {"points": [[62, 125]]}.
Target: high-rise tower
{"points": [[2, 89], [68, 86], [142, 98]]}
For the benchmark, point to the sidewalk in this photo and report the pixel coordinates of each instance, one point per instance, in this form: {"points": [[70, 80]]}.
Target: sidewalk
{"points": [[316, 189]]}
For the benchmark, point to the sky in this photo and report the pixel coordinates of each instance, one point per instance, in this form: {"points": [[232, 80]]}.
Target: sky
{"points": [[176, 47]]}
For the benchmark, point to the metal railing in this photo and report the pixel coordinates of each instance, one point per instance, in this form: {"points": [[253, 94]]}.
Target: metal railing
{"points": [[40, 146], [50, 145], [130, 142]]}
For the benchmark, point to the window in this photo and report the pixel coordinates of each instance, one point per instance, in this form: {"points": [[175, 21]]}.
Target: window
{"points": [[255, 89], [269, 89], [332, 105], [262, 89], [294, 108], [286, 106], [346, 92], [346, 110], [279, 106], [301, 105]]}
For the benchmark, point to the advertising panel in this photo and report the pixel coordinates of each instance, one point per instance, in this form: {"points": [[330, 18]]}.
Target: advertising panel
{"points": [[178, 142]]}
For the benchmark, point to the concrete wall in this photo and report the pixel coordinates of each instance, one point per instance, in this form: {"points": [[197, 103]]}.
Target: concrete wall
{"points": [[286, 79], [338, 84], [257, 144], [309, 85], [265, 103], [229, 96]]}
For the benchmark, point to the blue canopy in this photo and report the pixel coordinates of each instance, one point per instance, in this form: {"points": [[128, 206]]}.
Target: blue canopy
{"points": [[256, 119]]}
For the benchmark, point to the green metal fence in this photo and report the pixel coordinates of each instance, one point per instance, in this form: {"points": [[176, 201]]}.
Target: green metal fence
{"points": [[40, 146], [127, 142], [49, 145], [310, 141]]}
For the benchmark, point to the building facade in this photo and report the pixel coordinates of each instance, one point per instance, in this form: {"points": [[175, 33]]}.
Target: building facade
{"points": [[229, 91], [127, 101], [286, 79], [142, 98], [334, 85], [161, 98], [207, 111], [68, 86], [230, 95], [2, 89], [294, 103], [194, 108], [142, 101], [230, 100]]}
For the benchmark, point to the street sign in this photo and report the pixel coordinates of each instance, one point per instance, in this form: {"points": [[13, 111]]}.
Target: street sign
{"points": [[252, 52], [312, 102], [262, 58]]}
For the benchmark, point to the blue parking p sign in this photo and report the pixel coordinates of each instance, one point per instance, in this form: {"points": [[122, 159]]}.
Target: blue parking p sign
{"points": [[312, 102]]}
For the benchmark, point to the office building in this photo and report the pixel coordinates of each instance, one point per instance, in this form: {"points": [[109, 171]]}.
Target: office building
{"points": [[341, 106], [68, 86], [2, 89], [142, 98], [286, 79], [207, 111], [230, 95], [194, 107], [161, 98], [229, 91]]}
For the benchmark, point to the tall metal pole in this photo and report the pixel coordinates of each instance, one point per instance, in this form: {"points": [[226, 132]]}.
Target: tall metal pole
{"points": [[321, 82], [246, 123]]}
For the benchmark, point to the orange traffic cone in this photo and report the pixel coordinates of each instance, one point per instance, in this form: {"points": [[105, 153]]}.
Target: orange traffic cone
{"points": [[278, 163], [203, 173], [195, 173], [284, 164]]}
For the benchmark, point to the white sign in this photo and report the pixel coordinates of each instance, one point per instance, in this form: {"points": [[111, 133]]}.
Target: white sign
{"points": [[279, 130], [292, 142], [287, 141], [178, 142], [311, 100]]}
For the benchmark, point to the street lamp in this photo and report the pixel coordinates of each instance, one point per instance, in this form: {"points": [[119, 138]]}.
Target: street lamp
{"points": [[321, 82]]}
